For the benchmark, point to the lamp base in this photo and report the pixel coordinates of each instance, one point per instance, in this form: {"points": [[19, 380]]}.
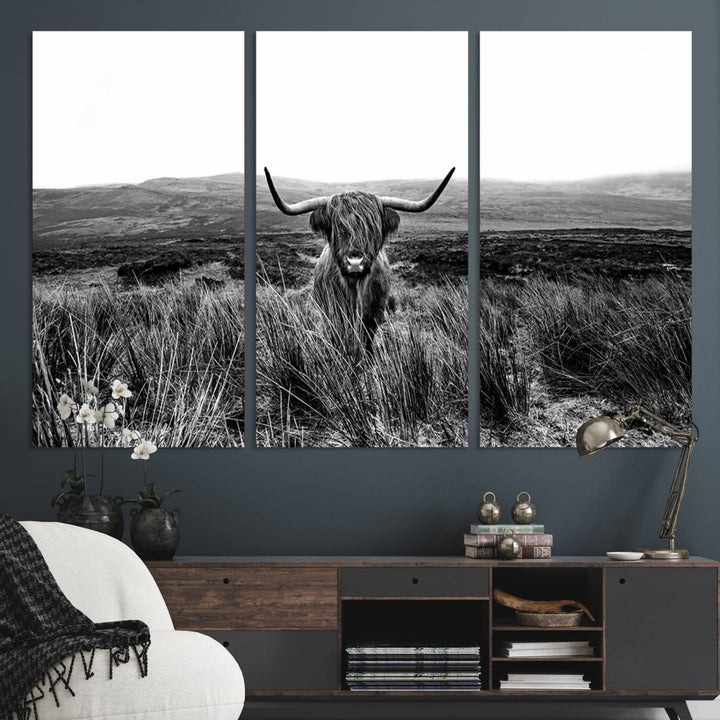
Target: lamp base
{"points": [[663, 553]]}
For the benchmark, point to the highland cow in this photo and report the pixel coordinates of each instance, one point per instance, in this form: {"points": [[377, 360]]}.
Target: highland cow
{"points": [[352, 275]]}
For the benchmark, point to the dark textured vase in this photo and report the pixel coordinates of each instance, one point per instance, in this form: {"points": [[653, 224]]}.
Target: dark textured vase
{"points": [[155, 533], [95, 512]]}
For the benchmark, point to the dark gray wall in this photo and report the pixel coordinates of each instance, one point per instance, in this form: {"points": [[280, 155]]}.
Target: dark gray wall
{"points": [[372, 501]]}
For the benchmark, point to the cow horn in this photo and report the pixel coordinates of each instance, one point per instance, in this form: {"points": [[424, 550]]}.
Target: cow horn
{"points": [[298, 208], [417, 205]]}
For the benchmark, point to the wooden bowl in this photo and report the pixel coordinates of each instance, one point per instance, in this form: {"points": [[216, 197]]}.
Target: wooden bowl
{"points": [[564, 619]]}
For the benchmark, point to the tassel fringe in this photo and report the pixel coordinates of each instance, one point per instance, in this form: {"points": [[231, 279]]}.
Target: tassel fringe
{"points": [[60, 673]]}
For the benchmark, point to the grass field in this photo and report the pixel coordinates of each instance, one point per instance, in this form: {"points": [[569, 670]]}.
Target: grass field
{"points": [[412, 391], [562, 341], [178, 343], [313, 391]]}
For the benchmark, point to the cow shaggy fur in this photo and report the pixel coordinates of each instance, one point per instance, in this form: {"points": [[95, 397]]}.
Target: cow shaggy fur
{"points": [[354, 224]]}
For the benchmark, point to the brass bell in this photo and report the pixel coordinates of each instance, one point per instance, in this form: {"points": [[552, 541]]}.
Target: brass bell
{"points": [[508, 547], [523, 511], [489, 511]]}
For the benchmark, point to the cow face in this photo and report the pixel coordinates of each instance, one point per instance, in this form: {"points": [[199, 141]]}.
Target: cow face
{"points": [[355, 224]]}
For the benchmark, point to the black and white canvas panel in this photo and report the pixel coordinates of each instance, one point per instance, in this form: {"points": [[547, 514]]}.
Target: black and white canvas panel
{"points": [[585, 232], [138, 238], [361, 239]]}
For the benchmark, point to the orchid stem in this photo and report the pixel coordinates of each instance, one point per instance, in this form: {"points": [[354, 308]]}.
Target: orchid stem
{"points": [[102, 462], [82, 454]]}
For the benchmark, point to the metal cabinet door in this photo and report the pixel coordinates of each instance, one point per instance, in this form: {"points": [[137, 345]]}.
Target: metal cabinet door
{"points": [[662, 628]]}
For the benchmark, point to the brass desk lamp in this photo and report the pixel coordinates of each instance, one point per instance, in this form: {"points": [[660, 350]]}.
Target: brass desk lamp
{"points": [[599, 432]]}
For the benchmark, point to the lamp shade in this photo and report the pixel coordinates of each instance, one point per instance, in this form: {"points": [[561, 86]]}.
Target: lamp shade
{"points": [[597, 433]]}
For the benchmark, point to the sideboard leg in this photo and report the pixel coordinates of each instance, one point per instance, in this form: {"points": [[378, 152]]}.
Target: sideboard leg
{"points": [[679, 711]]}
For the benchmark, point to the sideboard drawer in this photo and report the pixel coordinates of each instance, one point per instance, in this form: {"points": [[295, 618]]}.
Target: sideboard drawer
{"points": [[289, 660], [414, 582], [249, 598]]}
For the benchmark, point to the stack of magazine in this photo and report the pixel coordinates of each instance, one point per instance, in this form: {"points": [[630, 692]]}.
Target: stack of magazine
{"points": [[414, 667], [539, 681]]}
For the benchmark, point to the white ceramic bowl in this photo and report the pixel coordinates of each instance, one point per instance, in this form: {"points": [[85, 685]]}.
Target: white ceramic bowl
{"points": [[624, 555]]}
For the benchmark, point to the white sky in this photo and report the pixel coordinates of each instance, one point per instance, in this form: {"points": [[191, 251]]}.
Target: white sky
{"points": [[570, 105], [129, 106], [347, 106]]}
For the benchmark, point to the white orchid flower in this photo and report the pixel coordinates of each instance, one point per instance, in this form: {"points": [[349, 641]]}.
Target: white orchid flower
{"points": [[108, 415], [86, 415], [151, 446], [120, 389], [143, 450], [90, 388], [65, 406], [129, 436]]}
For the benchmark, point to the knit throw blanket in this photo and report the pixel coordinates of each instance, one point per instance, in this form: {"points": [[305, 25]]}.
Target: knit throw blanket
{"points": [[45, 641]]}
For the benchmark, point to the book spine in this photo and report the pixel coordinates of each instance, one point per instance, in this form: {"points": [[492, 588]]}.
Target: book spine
{"points": [[540, 539], [479, 529], [489, 553], [480, 540]]}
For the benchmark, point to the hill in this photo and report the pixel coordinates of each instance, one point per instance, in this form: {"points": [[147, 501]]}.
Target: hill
{"points": [[162, 207], [661, 200], [212, 206]]}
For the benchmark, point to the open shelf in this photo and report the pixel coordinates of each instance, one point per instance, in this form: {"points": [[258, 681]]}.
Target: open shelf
{"points": [[591, 668], [583, 585], [416, 623]]}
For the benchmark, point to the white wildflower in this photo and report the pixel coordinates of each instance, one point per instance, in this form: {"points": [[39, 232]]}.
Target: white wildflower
{"points": [[90, 388], [86, 415], [108, 416], [129, 436], [65, 406], [120, 389]]}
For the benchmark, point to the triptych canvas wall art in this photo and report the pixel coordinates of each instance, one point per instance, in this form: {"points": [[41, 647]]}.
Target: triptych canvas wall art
{"points": [[585, 231], [138, 144], [360, 237], [362, 296]]}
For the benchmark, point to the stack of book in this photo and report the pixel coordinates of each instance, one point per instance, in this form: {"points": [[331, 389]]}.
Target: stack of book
{"points": [[538, 681], [548, 648], [383, 668], [481, 541]]}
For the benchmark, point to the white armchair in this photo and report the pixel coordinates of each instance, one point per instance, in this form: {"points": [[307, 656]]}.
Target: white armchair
{"points": [[190, 675]]}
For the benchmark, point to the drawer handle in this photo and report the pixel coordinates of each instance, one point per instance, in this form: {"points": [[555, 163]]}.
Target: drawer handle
{"points": [[226, 580], [621, 581], [415, 581]]}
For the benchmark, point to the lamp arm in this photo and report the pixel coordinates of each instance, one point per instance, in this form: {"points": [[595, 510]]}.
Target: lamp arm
{"points": [[687, 440], [675, 497], [643, 415]]}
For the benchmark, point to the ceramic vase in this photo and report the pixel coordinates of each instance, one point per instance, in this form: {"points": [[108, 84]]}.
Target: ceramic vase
{"points": [[95, 512], [155, 532]]}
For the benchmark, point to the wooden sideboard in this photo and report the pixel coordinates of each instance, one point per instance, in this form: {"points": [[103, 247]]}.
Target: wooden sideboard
{"points": [[287, 620]]}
